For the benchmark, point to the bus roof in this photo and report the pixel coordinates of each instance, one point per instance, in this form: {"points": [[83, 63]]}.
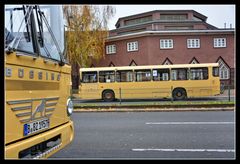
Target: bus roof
{"points": [[149, 67]]}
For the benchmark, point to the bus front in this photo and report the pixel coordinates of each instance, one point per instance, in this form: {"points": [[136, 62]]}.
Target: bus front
{"points": [[37, 82]]}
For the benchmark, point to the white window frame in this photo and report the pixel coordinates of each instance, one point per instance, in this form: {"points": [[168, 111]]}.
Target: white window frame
{"points": [[224, 71], [219, 42], [111, 49], [166, 43], [132, 46], [193, 43]]}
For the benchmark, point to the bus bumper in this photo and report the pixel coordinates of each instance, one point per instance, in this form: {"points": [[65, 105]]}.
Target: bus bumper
{"points": [[42, 145]]}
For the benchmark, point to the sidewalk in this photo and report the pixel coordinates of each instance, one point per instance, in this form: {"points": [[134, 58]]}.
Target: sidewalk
{"points": [[225, 93]]}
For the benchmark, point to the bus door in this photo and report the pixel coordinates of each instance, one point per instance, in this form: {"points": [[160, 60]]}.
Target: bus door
{"points": [[89, 85], [126, 87]]}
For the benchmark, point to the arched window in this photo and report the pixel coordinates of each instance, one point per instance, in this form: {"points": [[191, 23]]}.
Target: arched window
{"points": [[224, 71]]}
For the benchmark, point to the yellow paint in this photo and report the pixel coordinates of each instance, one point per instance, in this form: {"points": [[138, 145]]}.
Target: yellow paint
{"points": [[151, 89], [25, 89]]}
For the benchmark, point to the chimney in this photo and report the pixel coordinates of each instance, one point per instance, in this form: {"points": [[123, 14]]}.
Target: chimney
{"points": [[225, 24], [230, 25]]}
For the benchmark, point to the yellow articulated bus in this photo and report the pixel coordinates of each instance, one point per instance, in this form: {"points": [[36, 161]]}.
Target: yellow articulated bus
{"points": [[37, 82], [155, 81]]}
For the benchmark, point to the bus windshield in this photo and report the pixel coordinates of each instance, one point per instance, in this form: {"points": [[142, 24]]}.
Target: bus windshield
{"points": [[49, 29]]}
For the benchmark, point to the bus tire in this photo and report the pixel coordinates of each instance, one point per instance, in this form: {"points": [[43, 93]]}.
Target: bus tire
{"points": [[108, 95], [179, 94]]}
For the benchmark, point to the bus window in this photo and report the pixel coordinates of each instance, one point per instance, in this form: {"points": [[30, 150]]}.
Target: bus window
{"points": [[48, 46], [89, 77], [124, 76], [215, 71], [160, 74], [179, 74], [8, 37], [199, 73], [143, 75], [106, 76], [16, 26]]}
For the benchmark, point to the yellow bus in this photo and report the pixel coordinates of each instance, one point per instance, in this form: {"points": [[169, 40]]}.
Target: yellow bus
{"points": [[37, 82], [154, 81]]}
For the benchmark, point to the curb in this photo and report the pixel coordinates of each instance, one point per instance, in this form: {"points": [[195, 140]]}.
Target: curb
{"points": [[155, 109], [159, 106]]}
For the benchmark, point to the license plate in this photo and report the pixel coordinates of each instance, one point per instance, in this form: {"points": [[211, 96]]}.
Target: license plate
{"points": [[35, 126]]}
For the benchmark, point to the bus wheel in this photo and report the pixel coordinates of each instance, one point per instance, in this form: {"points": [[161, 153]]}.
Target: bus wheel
{"points": [[108, 95], [179, 94]]}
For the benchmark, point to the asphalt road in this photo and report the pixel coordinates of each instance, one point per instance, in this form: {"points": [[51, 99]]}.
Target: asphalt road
{"points": [[152, 135]]}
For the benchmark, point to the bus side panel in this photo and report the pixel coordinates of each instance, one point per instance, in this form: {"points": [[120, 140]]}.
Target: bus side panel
{"points": [[138, 90], [89, 91]]}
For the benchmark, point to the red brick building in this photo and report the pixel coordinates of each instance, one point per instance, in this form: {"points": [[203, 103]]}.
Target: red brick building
{"points": [[170, 37]]}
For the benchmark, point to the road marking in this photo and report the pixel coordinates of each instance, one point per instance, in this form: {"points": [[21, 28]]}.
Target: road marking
{"points": [[187, 123], [188, 150]]}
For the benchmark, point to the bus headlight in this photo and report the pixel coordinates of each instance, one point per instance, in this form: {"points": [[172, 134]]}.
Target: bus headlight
{"points": [[69, 107]]}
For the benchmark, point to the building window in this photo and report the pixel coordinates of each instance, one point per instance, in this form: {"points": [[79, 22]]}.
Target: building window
{"points": [[111, 65], [219, 42], [132, 46], [178, 27], [193, 43], [167, 62], [166, 43], [133, 63], [111, 49], [131, 31], [138, 20], [224, 72], [194, 61], [173, 16]]}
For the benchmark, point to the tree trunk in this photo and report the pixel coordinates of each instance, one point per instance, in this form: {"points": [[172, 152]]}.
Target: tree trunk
{"points": [[75, 75]]}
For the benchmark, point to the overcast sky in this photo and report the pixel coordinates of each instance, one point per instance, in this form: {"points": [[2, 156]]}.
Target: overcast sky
{"points": [[217, 14]]}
